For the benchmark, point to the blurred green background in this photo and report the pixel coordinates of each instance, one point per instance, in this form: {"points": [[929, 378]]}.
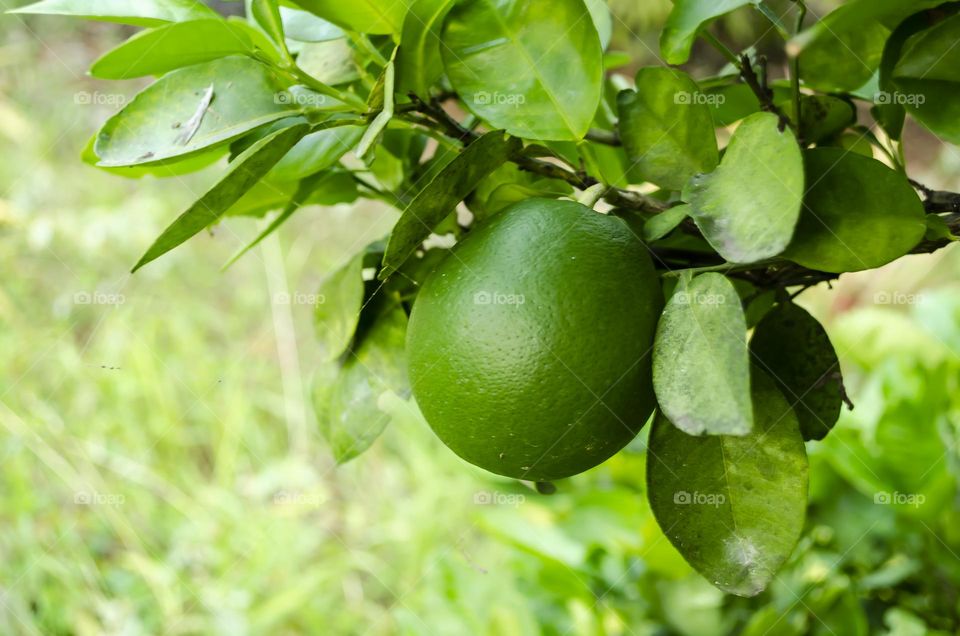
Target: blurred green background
{"points": [[161, 470]]}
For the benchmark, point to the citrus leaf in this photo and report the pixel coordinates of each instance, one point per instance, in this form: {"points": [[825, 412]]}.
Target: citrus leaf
{"points": [[347, 404], [168, 118], [172, 46], [419, 64], [335, 319], [441, 196], [365, 16], [793, 349], [842, 51], [139, 13], [303, 26], [534, 69], [659, 225], [602, 20], [668, 134], [932, 54], [685, 21], [733, 506], [822, 117], [244, 172], [749, 206], [267, 15], [701, 371], [858, 214], [316, 152]]}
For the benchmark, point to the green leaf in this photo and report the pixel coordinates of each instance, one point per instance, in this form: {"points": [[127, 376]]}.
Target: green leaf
{"points": [[173, 46], [244, 172], [667, 130], [139, 13], [793, 349], [685, 21], [932, 54], [365, 16], [335, 319], [303, 26], [749, 206], [191, 109], [347, 403], [926, 79], [173, 168], [316, 152], [441, 196], [858, 214], [733, 506], [842, 51], [336, 186], [823, 116], [659, 225], [419, 64], [534, 69], [602, 20], [701, 371], [267, 15], [886, 111]]}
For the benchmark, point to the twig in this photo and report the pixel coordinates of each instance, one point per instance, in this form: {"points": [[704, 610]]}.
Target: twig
{"points": [[758, 85]]}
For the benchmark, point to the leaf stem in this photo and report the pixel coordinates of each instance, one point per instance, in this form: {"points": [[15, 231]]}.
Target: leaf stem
{"points": [[724, 50], [591, 195]]}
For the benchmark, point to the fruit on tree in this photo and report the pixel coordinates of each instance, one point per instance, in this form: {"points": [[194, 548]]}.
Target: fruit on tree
{"points": [[529, 346]]}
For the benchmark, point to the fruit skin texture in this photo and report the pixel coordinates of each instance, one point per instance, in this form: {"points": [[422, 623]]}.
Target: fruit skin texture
{"points": [[529, 346]]}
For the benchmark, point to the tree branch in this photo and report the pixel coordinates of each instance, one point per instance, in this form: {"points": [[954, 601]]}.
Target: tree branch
{"points": [[758, 84]]}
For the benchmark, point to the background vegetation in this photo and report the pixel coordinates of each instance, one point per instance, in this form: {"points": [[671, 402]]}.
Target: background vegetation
{"points": [[161, 471]]}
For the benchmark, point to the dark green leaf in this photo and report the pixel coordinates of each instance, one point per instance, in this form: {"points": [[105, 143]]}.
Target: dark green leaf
{"points": [[932, 54], [666, 128], [685, 21], [438, 199], [365, 16], [733, 506], [793, 349], [244, 172], [173, 46], [889, 113], [858, 214], [347, 403], [701, 371], [659, 225], [534, 69], [335, 187], [139, 13], [191, 109], [748, 207], [419, 64], [842, 51], [823, 116]]}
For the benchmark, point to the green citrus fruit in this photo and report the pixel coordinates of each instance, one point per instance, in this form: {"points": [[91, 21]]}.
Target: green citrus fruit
{"points": [[529, 346]]}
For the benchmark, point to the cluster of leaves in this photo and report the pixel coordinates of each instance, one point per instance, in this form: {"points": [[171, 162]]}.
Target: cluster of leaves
{"points": [[320, 101]]}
